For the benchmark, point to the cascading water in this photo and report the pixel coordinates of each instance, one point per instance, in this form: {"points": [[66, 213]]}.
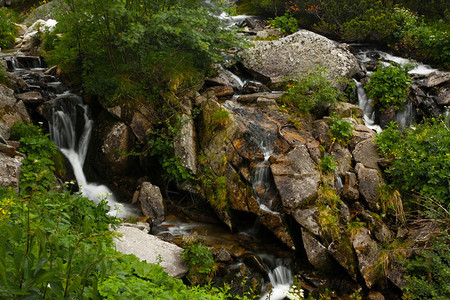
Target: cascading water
{"points": [[70, 113], [260, 178], [366, 105], [281, 280]]}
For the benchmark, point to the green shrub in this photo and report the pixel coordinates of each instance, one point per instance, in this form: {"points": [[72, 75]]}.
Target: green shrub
{"points": [[429, 272], [420, 159], [200, 262], [327, 165], [4, 78], [221, 117], [286, 23], [388, 86], [8, 31], [341, 131], [424, 40], [312, 92]]}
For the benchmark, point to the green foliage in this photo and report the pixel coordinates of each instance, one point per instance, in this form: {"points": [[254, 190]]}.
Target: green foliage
{"points": [[220, 118], [139, 50], [4, 78], [200, 262], [161, 146], [341, 131], [429, 272], [312, 92], [214, 187], [425, 40], [58, 246], [8, 31], [388, 86], [329, 207], [38, 167], [287, 23], [327, 165], [421, 160]]}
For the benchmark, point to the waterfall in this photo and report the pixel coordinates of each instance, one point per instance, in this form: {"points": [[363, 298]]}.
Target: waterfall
{"points": [[261, 177], [70, 114], [366, 105], [281, 280]]}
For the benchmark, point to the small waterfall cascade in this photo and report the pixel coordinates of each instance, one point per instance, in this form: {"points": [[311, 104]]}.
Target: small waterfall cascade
{"points": [[366, 105], [261, 178], [281, 280], [70, 115]]}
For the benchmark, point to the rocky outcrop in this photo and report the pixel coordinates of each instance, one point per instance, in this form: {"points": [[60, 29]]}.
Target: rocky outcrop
{"points": [[151, 201], [317, 254], [10, 167], [297, 54], [367, 252], [296, 177], [11, 110], [369, 183], [151, 249], [110, 142]]}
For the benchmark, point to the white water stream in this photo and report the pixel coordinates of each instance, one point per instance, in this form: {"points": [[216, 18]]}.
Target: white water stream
{"points": [[70, 113]]}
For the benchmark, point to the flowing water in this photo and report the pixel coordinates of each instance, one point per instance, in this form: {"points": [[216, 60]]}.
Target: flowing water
{"points": [[70, 125]]}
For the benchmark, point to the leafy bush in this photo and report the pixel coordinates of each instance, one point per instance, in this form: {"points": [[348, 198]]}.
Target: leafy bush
{"points": [[327, 165], [287, 23], [312, 92], [429, 272], [141, 51], [341, 131], [420, 159], [38, 167], [200, 261], [221, 117], [388, 86], [8, 31], [427, 41]]}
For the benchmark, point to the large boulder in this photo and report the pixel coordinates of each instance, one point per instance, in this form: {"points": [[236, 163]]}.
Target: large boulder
{"points": [[366, 153], [151, 249], [297, 54], [317, 254], [369, 183], [11, 110], [296, 177], [110, 141], [10, 167], [367, 252], [151, 201]]}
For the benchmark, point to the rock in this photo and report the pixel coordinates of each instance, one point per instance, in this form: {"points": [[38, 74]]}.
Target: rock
{"points": [[346, 110], [296, 54], [360, 133], [308, 218], [443, 97], [366, 153], [222, 255], [250, 98], [367, 253], [225, 77], [387, 116], [396, 274], [350, 191], [267, 103], [434, 79], [343, 158], [343, 253], [11, 110], [296, 177], [321, 132], [151, 249], [269, 32], [145, 227], [151, 201], [109, 139], [375, 295], [369, 182], [185, 145], [251, 87], [382, 233], [33, 97], [4, 133], [222, 91], [317, 254], [10, 168]]}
